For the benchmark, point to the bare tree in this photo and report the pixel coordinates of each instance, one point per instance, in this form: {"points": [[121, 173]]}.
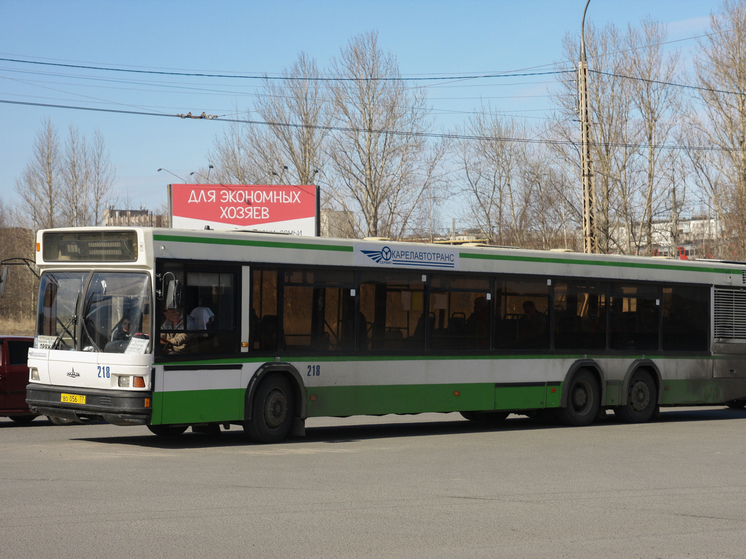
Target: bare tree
{"points": [[101, 175], [40, 185], [615, 135], [297, 111], [382, 164], [489, 162], [65, 186], [721, 76], [231, 155], [287, 147], [76, 182], [659, 107]]}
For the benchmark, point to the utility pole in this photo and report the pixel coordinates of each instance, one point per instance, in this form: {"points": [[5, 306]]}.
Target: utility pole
{"points": [[590, 243]]}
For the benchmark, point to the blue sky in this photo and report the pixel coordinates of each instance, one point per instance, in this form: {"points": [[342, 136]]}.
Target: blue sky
{"points": [[429, 38]]}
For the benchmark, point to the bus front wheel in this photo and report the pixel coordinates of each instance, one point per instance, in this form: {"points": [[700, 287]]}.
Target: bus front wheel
{"points": [[271, 414], [642, 399], [583, 400]]}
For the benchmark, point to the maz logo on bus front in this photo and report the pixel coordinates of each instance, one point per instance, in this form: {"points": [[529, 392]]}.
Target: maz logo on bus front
{"points": [[412, 257]]}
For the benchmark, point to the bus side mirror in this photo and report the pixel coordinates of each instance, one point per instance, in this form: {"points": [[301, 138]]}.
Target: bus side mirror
{"points": [[173, 294]]}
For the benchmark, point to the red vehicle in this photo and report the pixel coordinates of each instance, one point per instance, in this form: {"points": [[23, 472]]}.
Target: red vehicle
{"points": [[14, 378]]}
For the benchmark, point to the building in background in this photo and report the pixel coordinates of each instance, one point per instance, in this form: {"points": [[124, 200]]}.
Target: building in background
{"points": [[141, 218]]}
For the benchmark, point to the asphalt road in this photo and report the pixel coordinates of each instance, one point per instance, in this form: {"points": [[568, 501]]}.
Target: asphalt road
{"points": [[429, 486]]}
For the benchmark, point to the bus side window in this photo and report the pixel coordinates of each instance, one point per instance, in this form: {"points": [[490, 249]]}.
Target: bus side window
{"points": [[264, 331], [208, 311], [686, 318]]}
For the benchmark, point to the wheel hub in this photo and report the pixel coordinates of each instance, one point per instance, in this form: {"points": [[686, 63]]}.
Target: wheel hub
{"points": [[579, 397], [276, 409], [639, 396]]}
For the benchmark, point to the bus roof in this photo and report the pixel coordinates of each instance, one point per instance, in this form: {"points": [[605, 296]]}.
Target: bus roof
{"points": [[266, 248]]}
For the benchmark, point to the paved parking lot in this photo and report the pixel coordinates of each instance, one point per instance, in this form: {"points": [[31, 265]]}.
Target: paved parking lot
{"points": [[432, 486]]}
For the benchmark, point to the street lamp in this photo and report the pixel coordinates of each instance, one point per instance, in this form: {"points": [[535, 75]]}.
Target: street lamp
{"points": [[170, 173]]}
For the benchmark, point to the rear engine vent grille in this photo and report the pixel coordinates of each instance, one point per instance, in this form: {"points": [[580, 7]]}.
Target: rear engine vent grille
{"points": [[730, 315]]}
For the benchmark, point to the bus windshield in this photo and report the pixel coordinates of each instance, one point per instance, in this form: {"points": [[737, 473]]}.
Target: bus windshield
{"points": [[94, 311]]}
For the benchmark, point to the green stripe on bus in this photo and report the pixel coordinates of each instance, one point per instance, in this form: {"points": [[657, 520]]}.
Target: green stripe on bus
{"points": [[320, 358], [590, 262], [406, 399], [227, 405], [198, 406], [251, 243], [380, 400]]}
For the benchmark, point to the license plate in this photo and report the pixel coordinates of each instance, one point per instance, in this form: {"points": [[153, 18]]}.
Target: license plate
{"points": [[72, 399]]}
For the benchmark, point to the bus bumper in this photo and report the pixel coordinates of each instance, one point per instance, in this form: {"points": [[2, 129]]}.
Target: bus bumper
{"points": [[119, 407]]}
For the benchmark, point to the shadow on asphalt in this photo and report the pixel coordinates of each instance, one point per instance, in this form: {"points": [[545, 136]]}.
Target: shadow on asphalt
{"points": [[346, 434]]}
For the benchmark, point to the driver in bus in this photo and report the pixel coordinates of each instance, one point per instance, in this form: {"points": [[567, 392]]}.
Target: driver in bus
{"points": [[178, 341], [123, 331]]}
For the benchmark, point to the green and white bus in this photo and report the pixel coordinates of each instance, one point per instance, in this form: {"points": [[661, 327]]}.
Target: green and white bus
{"points": [[174, 328]]}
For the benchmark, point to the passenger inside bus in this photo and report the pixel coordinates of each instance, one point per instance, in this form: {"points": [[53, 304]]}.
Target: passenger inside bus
{"points": [[532, 324], [178, 341]]}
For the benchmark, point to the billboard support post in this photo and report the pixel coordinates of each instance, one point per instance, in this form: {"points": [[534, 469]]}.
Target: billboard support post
{"points": [[318, 211]]}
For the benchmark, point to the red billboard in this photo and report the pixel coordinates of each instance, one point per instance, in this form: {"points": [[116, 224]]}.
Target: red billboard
{"points": [[279, 208]]}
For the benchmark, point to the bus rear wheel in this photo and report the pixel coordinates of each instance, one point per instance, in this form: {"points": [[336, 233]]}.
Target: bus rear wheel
{"points": [[642, 399], [272, 411], [583, 400]]}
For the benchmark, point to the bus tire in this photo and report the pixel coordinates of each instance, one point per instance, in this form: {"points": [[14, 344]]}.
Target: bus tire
{"points": [[583, 400], [642, 399], [272, 410], [736, 404], [167, 430], [485, 416]]}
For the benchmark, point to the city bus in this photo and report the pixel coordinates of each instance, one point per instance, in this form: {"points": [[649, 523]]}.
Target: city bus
{"points": [[207, 329]]}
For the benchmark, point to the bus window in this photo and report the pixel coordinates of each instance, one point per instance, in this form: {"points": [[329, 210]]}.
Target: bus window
{"points": [[459, 314], [686, 318], [393, 306], [56, 327], [579, 315], [634, 317], [264, 322], [318, 312], [522, 313], [205, 323]]}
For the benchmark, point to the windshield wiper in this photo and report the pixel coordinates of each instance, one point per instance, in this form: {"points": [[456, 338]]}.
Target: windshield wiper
{"points": [[66, 327], [87, 333]]}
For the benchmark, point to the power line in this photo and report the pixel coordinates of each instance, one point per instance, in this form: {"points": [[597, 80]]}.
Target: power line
{"points": [[434, 135], [671, 84], [281, 78]]}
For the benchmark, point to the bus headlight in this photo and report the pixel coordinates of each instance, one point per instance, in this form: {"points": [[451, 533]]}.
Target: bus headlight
{"points": [[34, 373], [127, 381]]}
